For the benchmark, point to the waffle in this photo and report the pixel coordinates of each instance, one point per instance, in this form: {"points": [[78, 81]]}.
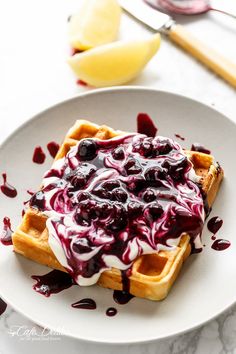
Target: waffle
{"points": [[152, 275]]}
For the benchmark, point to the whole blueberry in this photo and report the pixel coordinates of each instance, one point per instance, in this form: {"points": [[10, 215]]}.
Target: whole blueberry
{"points": [[120, 195], [155, 210], [87, 150], [119, 221], [110, 185], [136, 184], [132, 167], [118, 153], [134, 209], [83, 196], [103, 210], [149, 195], [163, 148], [102, 193], [78, 181]]}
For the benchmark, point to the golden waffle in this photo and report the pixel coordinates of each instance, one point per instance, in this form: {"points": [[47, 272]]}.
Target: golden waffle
{"points": [[152, 275]]}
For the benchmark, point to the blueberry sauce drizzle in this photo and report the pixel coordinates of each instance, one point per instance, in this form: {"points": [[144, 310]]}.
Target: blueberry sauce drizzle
{"points": [[200, 148], [53, 148], [30, 192], [214, 224], [85, 304], [52, 282], [3, 306], [179, 137], [6, 236], [38, 155], [111, 311], [145, 125], [122, 297], [220, 244], [8, 189], [110, 201]]}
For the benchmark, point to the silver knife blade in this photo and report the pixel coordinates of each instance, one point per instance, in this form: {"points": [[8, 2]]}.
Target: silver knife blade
{"points": [[145, 14]]}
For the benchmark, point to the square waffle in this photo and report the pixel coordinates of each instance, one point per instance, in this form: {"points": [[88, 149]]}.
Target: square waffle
{"points": [[152, 275]]}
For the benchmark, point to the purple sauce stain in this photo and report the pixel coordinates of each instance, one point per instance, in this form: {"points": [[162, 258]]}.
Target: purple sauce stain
{"points": [[220, 245], [125, 274], [179, 137], [145, 125], [8, 189], [214, 224], [39, 155], [111, 311], [85, 304], [30, 192], [23, 212], [53, 148], [6, 236], [213, 238], [122, 297], [52, 282], [200, 148], [3, 306]]}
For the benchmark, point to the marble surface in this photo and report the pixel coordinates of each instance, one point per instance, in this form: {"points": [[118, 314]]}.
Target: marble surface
{"points": [[34, 75]]}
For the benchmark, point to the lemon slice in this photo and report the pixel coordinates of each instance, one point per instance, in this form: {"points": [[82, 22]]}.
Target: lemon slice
{"points": [[95, 24], [115, 63]]}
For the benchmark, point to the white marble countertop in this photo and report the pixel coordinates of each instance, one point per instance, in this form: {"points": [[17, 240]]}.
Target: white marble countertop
{"points": [[34, 75]]}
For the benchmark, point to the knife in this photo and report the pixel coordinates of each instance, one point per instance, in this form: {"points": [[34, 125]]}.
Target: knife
{"points": [[158, 21]]}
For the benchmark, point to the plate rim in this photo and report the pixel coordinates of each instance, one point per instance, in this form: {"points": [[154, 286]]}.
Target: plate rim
{"points": [[77, 97]]}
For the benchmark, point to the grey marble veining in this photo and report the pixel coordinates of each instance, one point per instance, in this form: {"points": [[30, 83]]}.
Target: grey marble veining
{"points": [[40, 78]]}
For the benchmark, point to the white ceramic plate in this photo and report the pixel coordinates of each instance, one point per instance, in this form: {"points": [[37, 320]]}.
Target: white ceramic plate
{"points": [[207, 283]]}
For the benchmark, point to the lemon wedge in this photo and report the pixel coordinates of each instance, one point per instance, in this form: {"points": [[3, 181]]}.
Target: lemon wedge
{"points": [[115, 63], [95, 24]]}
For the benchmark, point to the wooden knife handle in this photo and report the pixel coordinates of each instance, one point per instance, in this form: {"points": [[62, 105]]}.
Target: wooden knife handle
{"points": [[213, 60]]}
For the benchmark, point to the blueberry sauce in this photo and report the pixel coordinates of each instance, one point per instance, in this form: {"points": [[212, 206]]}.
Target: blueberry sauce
{"points": [[220, 244], [53, 148], [52, 282], [109, 201], [179, 137], [200, 148], [6, 236], [122, 297], [81, 82], [7, 189], [30, 192], [145, 125], [3, 306], [86, 304], [214, 224], [111, 311], [39, 155]]}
